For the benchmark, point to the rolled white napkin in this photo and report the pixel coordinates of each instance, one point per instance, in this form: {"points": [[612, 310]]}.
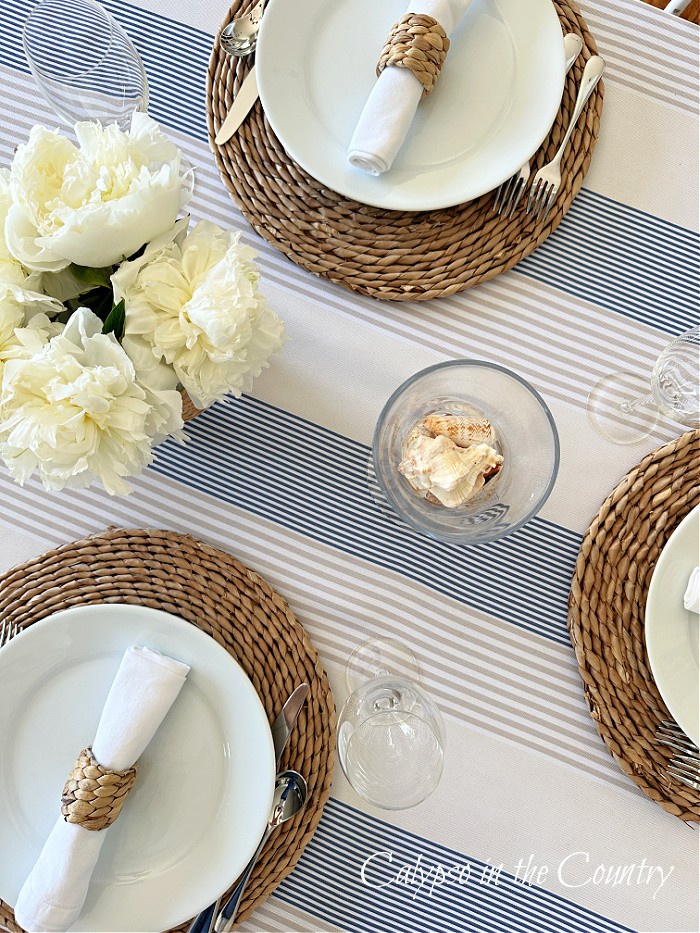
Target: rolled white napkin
{"points": [[392, 103], [143, 691], [691, 600]]}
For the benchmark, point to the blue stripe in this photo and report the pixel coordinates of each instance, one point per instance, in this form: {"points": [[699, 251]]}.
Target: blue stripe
{"points": [[604, 252], [622, 259], [327, 881], [314, 481]]}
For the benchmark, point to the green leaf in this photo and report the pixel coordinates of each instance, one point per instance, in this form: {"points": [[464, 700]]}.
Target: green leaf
{"points": [[115, 321], [92, 278]]}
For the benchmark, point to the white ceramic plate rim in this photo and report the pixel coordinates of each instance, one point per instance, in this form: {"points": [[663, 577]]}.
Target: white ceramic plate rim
{"points": [[218, 672], [664, 618], [283, 28]]}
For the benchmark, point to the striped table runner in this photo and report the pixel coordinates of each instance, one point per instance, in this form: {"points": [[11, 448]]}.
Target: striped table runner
{"points": [[533, 827]]}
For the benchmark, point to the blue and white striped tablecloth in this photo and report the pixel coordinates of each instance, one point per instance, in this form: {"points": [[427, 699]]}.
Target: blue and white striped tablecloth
{"points": [[279, 479]]}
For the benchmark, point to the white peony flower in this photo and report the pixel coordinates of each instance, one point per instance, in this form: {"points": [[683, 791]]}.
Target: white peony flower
{"points": [[74, 411], [20, 298], [22, 335], [192, 300], [12, 271], [94, 204]]}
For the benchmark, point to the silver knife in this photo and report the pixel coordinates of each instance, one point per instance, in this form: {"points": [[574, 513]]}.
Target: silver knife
{"points": [[240, 108], [284, 723], [281, 730]]}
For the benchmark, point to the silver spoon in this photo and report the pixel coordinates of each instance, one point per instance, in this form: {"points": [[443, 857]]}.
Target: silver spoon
{"points": [[289, 799], [240, 37]]}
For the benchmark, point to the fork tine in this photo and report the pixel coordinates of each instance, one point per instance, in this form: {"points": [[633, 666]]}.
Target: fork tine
{"points": [[550, 201], [516, 195], [533, 194], [542, 202], [671, 727], [690, 780], [671, 732], [7, 631], [677, 745], [499, 195], [502, 194], [539, 194], [690, 768]]}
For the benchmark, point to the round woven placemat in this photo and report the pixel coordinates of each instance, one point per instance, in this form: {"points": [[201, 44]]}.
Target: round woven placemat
{"points": [[388, 254], [606, 615], [211, 589]]}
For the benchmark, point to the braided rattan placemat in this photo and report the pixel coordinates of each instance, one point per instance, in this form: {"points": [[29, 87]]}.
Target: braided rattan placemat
{"points": [[388, 254], [211, 589], [606, 614]]}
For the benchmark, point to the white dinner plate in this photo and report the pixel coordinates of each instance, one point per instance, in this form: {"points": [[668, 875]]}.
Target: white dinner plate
{"points": [[672, 632], [205, 782], [494, 103]]}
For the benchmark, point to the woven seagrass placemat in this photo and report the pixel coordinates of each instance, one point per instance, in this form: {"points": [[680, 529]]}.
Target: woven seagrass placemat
{"points": [[388, 254], [178, 574], [606, 614]]}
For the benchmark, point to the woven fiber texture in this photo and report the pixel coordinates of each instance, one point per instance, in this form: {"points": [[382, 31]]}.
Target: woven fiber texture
{"points": [[178, 574], [389, 254], [189, 409], [93, 796], [606, 615], [420, 44]]}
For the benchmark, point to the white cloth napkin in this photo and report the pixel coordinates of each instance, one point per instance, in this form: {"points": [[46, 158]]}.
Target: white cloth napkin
{"points": [[392, 103], [691, 600], [143, 691]]}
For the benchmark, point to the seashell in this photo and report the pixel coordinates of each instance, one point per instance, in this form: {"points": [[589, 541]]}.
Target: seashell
{"points": [[460, 429], [439, 468]]}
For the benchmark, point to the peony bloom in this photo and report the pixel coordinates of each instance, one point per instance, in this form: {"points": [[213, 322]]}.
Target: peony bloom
{"points": [[94, 204], [193, 301], [73, 410], [23, 330]]}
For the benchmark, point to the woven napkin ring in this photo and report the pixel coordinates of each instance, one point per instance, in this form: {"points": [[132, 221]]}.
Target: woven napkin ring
{"points": [[419, 43], [94, 796]]}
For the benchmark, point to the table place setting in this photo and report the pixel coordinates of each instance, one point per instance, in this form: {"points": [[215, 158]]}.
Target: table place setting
{"points": [[325, 330]]}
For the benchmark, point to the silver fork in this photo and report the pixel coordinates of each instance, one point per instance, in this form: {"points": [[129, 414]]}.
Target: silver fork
{"points": [[511, 191], [548, 180], [8, 630], [685, 764]]}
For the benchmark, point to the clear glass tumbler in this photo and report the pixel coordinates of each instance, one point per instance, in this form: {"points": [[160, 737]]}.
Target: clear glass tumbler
{"points": [[527, 439], [84, 63], [625, 407], [391, 737]]}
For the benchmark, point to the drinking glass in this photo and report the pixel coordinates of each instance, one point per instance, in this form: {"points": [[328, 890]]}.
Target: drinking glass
{"points": [[527, 439], [391, 736], [84, 63], [625, 407]]}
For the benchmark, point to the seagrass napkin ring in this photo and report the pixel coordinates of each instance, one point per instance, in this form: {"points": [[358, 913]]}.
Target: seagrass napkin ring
{"points": [[419, 43], [93, 796]]}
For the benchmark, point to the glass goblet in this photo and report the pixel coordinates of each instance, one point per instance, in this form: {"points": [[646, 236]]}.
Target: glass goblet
{"points": [[625, 407], [391, 736], [84, 63]]}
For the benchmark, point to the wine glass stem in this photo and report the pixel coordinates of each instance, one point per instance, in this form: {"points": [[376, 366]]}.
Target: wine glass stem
{"points": [[643, 401]]}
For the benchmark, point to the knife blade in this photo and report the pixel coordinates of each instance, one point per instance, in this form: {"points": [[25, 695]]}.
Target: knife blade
{"points": [[284, 723], [240, 108]]}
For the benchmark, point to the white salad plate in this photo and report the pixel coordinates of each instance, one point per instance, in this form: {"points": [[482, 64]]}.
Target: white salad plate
{"points": [[204, 788], [672, 632], [495, 101]]}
